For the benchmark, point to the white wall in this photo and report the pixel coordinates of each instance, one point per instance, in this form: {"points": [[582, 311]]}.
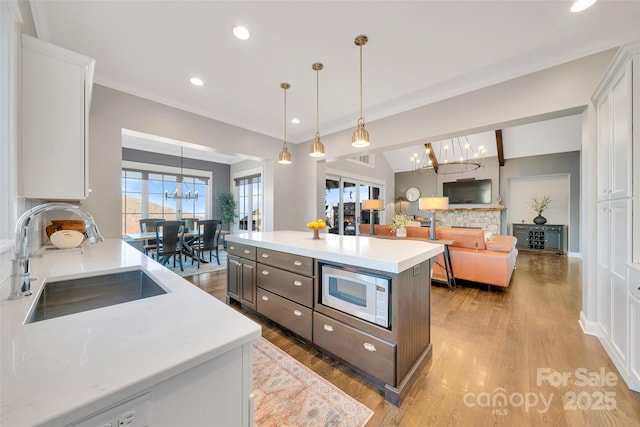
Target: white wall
{"points": [[521, 190]]}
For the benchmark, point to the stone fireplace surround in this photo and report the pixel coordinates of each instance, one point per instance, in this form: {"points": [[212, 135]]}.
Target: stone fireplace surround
{"points": [[488, 219]]}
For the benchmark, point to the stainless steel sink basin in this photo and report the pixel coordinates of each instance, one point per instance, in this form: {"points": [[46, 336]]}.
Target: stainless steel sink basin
{"points": [[60, 298]]}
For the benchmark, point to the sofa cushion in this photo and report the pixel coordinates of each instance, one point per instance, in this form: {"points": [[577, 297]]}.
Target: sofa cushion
{"points": [[502, 243], [470, 238]]}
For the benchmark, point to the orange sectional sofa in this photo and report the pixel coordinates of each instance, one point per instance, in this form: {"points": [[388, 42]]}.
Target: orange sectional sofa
{"points": [[472, 257]]}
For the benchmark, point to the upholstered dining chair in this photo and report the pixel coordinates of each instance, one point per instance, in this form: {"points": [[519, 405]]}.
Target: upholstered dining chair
{"points": [[208, 239], [169, 235], [148, 225]]}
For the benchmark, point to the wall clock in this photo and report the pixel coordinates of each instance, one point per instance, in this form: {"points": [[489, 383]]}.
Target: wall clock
{"points": [[412, 194]]}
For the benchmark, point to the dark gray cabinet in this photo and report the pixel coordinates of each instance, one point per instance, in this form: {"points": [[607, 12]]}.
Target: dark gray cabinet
{"points": [[542, 238], [241, 274]]}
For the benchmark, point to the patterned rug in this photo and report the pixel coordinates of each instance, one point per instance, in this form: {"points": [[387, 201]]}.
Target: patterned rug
{"points": [[287, 393], [191, 270]]}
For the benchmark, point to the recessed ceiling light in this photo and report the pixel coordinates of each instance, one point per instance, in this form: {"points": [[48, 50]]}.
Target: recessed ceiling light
{"points": [[241, 32], [295, 121], [196, 81], [580, 5]]}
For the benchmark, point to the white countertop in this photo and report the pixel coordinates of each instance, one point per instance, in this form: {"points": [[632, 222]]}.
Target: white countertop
{"points": [[393, 256], [93, 359]]}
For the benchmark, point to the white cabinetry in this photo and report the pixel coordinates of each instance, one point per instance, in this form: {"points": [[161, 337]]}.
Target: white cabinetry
{"points": [[56, 96], [634, 333], [616, 102]]}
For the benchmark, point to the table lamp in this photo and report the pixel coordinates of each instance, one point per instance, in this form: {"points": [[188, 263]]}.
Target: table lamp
{"points": [[371, 206], [433, 204]]}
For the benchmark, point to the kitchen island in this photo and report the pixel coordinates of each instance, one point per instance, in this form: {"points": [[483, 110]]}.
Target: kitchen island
{"points": [[380, 330], [180, 358]]}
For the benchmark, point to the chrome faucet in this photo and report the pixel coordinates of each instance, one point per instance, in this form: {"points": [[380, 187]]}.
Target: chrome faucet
{"points": [[20, 274]]}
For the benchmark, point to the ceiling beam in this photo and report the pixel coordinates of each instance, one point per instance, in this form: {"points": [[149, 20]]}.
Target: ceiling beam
{"points": [[499, 147], [432, 156]]}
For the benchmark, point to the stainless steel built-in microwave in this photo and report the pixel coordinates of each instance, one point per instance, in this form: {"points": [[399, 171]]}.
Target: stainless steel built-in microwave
{"points": [[359, 294]]}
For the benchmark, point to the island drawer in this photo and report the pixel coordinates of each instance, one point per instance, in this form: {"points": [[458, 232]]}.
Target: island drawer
{"points": [[291, 262], [292, 286], [242, 250], [288, 314], [366, 352]]}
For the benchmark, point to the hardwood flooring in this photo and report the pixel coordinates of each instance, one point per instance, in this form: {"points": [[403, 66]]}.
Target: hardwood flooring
{"points": [[488, 344]]}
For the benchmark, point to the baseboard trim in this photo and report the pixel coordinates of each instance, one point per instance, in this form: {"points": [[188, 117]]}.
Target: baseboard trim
{"points": [[588, 327], [574, 255]]}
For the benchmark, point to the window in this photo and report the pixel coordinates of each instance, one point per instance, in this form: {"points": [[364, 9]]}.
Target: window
{"points": [[249, 195], [143, 196], [343, 201]]}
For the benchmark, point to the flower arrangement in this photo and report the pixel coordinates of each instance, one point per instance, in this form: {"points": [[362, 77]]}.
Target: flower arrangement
{"points": [[540, 203], [316, 226], [400, 220]]}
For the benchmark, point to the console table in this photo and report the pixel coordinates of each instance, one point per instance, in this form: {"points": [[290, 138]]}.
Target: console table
{"points": [[541, 238]]}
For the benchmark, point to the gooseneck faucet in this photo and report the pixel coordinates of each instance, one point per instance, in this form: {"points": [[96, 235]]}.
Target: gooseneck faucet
{"points": [[20, 274]]}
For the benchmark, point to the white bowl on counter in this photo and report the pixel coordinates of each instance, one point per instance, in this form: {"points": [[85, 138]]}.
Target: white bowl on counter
{"points": [[66, 239]]}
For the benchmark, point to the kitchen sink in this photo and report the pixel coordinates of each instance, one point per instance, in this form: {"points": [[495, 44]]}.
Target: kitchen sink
{"points": [[61, 298]]}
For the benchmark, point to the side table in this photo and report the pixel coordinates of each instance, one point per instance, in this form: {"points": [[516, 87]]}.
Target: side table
{"points": [[448, 267]]}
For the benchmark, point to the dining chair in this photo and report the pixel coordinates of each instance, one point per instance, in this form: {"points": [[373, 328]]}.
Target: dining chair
{"points": [[148, 225], [169, 235], [208, 239]]}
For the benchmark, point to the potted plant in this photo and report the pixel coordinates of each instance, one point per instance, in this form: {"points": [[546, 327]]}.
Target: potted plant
{"points": [[539, 204], [229, 208], [398, 223]]}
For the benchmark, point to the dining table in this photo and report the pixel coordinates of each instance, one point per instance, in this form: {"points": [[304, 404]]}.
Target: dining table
{"points": [[189, 238]]}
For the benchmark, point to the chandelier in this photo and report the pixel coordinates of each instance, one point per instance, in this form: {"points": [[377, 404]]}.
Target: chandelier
{"points": [[175, 195], [454, 156]]}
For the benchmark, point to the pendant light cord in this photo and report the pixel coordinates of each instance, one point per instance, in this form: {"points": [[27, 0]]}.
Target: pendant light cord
{"points": [[317, 102], [360, 82], [285, 117]]}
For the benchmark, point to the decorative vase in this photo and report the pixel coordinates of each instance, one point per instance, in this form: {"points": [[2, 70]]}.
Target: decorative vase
{"points": [[316, 234], [401, 232], [539, 220]]}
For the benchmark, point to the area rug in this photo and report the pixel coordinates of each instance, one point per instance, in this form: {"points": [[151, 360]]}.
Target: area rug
{"points": [[191, 270], [287, 393]]}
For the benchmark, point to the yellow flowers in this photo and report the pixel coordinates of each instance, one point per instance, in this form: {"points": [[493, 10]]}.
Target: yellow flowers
{"points": [[316, 225]]}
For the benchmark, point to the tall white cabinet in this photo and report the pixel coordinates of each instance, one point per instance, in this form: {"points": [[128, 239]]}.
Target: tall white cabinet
{"points": [[56, 96], [618, 116]]}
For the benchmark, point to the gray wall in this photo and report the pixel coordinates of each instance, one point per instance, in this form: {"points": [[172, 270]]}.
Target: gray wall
{"points": [[220, 171], [550, 164]]}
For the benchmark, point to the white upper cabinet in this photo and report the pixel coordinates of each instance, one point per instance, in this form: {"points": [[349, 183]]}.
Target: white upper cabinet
{"points": [[615, 112], [56, 96]]}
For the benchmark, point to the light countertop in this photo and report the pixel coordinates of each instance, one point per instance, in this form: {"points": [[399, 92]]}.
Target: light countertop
{"points": [[393, 256], [89, 360]]}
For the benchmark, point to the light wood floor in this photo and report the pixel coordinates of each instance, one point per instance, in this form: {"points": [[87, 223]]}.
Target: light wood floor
{"points": [[488, 343]]}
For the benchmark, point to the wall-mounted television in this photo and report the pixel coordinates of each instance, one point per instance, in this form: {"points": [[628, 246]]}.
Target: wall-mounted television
{"points": [[467, 191]]}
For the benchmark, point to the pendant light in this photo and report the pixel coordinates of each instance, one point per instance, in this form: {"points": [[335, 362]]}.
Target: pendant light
{"points": [[360, 137], [317, 148], [285, 157]]}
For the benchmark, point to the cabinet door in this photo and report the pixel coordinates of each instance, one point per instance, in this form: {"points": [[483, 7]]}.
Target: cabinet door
{"points": [[604, 265], [634, 354], [604, 147], [234, 273], [620, 256], [55, 89], [621, 139], [521, 232], [248, 283], [553, 239]]}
